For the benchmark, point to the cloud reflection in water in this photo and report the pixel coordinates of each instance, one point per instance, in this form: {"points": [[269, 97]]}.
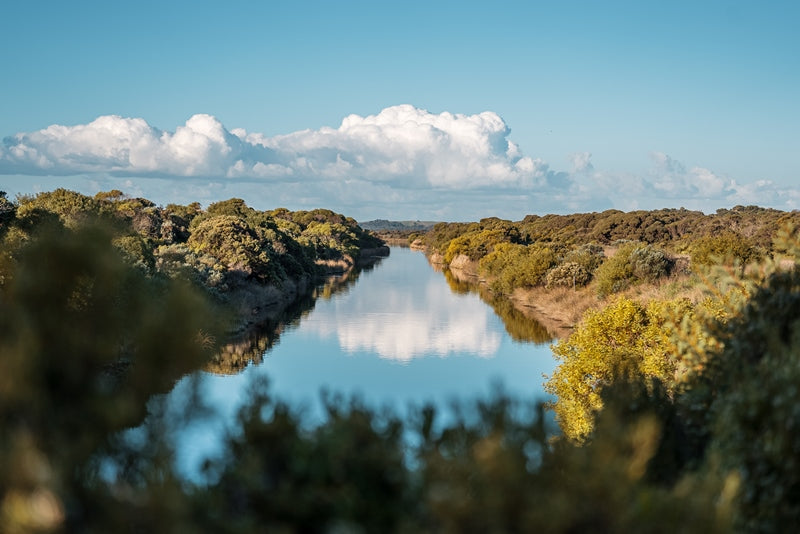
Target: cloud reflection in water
{"points": [[400, 325]]}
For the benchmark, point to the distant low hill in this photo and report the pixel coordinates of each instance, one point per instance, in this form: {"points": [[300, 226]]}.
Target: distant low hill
{"points": [[382, 225]]}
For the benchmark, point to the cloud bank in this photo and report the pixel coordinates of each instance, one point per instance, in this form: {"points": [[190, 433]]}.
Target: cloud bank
{"points": [[403, 162], [402, 145]]}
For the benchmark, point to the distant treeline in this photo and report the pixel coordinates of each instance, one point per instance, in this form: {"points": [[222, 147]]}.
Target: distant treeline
{"points": [[572, 250], [383, 225]]}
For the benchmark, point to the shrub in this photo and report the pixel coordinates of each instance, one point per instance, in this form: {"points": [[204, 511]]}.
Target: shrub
{"points": [[137, 251], [513, 266], [632, 263], [568, 274], [589, 256], [727, 247], [235, 246], [622, 341], [649, 263]]}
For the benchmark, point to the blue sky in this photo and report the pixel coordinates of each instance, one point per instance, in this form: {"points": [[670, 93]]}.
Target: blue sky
{"points": [[458, 110]]}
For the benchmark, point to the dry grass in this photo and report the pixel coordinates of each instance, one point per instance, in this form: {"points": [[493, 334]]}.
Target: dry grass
{"points": [[561, 309], [674, 287]]}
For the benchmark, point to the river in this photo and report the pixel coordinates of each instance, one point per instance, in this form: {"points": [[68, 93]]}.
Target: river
{"points": [[400, 335]]}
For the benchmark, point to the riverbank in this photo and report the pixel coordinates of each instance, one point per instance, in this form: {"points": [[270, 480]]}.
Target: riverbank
{"points": [[258, 310], [560, 309], [557, 310]]}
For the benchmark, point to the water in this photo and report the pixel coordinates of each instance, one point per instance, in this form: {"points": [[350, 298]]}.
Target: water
{"points": [[399, 335]]}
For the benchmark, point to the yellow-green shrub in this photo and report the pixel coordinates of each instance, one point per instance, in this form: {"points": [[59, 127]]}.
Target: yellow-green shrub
{"points": [[512, 266], [623, 340]]}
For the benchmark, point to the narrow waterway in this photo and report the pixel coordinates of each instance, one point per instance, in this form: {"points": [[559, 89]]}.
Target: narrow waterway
{"points": [[399, 335]]}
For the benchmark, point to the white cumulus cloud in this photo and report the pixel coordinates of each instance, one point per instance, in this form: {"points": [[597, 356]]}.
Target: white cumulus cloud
{"points": [[403, 162], [402, 145]]}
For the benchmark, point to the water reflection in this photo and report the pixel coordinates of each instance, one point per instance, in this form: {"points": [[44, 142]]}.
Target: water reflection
{"points": [[519, 326], [402, 335], [402, 322], [249, 348]]}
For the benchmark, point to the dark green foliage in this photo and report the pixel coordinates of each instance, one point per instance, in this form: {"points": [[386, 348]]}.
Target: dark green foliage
{"points": [[137, 251], [751, 390], [85, 341], [490, 468], [589, 256], [734, 417], [235, 207], [347, 473], [220, 250], [476, 245], [8, 212], [649, 263], [235, 246], [185, 213], [68, 205], [438, 238], [330, 241], [577, 267], [574, 239]]}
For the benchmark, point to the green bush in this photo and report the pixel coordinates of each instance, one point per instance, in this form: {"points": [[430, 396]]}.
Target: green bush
{"points": [[234, 245], [71, 207], [476, 245], [511, 266], [568, 274], [750, 391], [589, 256], [8, 211], [633, 262], [727, 247], [624, 340], [137, 251], [649, 263]]}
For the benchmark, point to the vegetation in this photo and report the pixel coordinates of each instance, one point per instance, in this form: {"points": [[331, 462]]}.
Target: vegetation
{"points": [[678, 415], [86, 339], [630, 264], [226, 248], [721, 375], [512, 266], [609, 251], [712, 376]]}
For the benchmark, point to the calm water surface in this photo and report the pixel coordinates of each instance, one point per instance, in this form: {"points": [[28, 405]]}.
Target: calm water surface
{"points": [[399, 335]]}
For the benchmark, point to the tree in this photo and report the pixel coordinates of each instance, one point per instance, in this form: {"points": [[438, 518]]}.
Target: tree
{"points": [[235, 246], [7, 212]]}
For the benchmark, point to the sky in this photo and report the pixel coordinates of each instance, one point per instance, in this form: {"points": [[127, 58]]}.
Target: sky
{"points": [[406, 110]]}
